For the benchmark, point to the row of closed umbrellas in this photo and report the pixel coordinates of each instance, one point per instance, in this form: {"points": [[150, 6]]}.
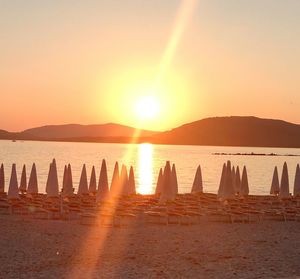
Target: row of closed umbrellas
{"points": [[123, 183], [283, 188], [232, 184]]}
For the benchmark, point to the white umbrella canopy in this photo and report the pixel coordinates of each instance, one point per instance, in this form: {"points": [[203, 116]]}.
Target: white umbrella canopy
{"points": [[160, 182], [222, 181], [237, 182], [103, 188], [48, 178], [13, 190], [115, 182], [198, 183], [83, 182], [70, 178], [296, 191], [23, 182], [275, 188], [32, 183], [52, 188], [233, 174], [244, 183], [228, 191], [174, 180], [167, 194], [68, 189], [284, 184], [2, 180], [131, 182], [93, 182], [124, 181], [65, 178]]}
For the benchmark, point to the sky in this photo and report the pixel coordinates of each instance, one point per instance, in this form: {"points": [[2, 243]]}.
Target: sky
{"points": [[148, 64]]}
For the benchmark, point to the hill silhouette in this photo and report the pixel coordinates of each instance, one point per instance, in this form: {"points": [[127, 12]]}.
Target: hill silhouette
{"points": [[13, 136], [234, 131], [86, 131], [221, 131]]}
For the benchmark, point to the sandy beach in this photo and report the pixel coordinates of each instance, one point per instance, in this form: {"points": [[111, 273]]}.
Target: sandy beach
{"points": [[66, 249]]}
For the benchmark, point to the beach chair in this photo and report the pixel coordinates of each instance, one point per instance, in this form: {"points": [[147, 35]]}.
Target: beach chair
{"points": [[157, 218], [174, 218], [127, 219], [88, 219], [5, 208]]}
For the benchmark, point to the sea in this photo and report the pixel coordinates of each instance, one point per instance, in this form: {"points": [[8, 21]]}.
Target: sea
{"points": [[147, 159]]}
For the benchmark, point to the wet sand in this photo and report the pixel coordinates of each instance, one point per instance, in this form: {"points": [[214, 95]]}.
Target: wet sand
{"points": [[66, 249]]}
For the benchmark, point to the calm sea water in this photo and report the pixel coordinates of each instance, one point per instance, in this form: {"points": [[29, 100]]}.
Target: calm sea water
{"points": [[146, 160]]}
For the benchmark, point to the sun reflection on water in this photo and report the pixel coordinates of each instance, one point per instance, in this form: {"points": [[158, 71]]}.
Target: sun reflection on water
{"points": [[145, 169]]}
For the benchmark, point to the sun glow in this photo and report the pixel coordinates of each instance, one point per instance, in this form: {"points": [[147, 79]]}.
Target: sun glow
{"points": [[147, 107], [149, 94]]}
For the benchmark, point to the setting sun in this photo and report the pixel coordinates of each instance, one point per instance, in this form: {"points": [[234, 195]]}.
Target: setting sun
{"points": [[147, 107]]}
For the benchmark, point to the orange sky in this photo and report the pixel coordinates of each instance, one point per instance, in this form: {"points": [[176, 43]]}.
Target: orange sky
{"points": [[93, 61]]}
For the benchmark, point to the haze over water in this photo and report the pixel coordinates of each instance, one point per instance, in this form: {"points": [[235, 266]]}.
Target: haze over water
{"points": [[147, 160]]}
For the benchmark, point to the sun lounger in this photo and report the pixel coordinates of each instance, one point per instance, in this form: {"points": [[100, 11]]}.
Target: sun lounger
{"points": [[5, 208], [157, 218], [88, 219]]}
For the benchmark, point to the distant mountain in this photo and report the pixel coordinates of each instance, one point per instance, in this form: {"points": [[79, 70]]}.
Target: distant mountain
{"points": [[234, 131], [76, 131], [5, 134], [222, 131], [13, 136]]}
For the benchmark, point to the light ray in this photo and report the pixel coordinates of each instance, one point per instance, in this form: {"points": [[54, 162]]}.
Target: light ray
{"points": [[183, 16]]}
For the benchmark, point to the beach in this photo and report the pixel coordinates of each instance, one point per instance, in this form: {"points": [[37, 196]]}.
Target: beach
{"points": [[150, 139], [65, 249]]}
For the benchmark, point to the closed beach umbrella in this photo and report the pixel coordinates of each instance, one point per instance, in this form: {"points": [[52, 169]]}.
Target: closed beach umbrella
{"points": [[297, 182], [83, 182], [93, 182], [167, 194], [65, 178], [13, 190], [275, 188], [124, 181], [229, 191], [131, 182], [160, 182], [222, 182], [68, 190], [174, 180], [70, 179], [103, 188], [284, 184], [244, 183], [32, 183], [237, 182], [48, 181], [52, 188], [114, 187], [2, 180], [198, 184], [233, 174], [23, 182]]}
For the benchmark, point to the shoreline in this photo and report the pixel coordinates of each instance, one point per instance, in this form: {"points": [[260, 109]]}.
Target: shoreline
{"points": [[255, 154], [142, 141]]}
